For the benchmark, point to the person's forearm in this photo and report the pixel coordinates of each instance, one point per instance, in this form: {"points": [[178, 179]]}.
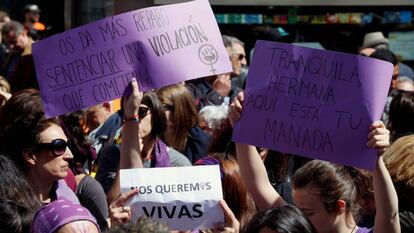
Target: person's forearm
{"points": [[255, 177], [386, 218], [130, 151], [115, 190]]}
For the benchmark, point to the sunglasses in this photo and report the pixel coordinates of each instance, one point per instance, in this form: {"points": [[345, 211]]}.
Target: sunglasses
{"points": [[240, 56], [142, 112], [56, 146]]}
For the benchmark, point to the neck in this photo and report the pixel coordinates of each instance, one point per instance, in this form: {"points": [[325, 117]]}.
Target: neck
{"points": [[351, 227], [148, 146], [169, 138], [28, 49], [40, 186]]}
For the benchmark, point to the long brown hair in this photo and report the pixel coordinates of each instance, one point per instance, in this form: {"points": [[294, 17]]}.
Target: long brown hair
{"points": [[184, 113], [234, 190]]}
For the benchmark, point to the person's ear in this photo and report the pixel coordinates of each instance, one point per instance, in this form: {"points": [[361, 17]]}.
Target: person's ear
{"points": [[341, 206], [29, 156]]}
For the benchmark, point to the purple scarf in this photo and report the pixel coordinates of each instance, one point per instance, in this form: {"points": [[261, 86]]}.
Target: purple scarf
{"points": [[160, 155]]}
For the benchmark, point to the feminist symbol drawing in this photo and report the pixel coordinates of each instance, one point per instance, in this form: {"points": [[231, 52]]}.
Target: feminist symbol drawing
{"points": [[208, 55]]}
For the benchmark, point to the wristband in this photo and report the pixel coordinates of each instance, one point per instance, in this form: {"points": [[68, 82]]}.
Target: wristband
{"points": [[134, 118]]}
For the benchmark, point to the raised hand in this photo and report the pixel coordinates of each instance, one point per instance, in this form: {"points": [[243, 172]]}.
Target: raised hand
{"points": [[378, 136], [222, 84], [118, 211], [232, 225], [236, 108], [132, 102]]}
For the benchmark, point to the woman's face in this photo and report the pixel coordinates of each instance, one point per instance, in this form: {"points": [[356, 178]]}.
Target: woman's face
{"points": [[170, 122], [145, 124], [47, 163], [307, 200], [169, 114]]}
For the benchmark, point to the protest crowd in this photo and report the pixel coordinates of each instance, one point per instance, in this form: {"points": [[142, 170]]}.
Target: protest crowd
{"points": [[62, 174]]}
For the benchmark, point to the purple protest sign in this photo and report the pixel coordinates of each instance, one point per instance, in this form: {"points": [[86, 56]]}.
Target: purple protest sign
{"points": [[313, 103], [158, 46]]}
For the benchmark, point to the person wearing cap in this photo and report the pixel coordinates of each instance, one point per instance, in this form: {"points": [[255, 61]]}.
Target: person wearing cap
{"points": [[32, 22], [64, 216], [376, 40]]}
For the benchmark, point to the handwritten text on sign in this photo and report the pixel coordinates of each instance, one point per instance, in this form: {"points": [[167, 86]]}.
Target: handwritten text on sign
{"points": [[158, 46], [313, 103], [171, 196]]}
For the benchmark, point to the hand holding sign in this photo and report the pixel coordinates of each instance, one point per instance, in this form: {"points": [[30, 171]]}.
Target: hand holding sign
{"points": [[298, 101], [232, 225], [222, 84], [236, 108], [118, 211], [173, 197], [378, 137], [133, 101], [158, 46]]}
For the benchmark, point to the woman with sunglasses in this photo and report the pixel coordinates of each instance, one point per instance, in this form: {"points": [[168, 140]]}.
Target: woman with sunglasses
{"points": [[182, 132], [152, 124], [132, 156], [145, 123], [38, 146]]}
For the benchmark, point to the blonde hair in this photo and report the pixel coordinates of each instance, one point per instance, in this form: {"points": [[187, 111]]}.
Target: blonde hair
{"points": [[399, 160]]}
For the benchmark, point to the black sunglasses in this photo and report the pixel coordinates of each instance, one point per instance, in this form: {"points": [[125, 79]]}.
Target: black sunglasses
{"points": [[56, 146], [240, 56], [142, 112]]}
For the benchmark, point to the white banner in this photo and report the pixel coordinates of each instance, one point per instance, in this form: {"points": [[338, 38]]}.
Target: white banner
{"points": [[185, 198]]}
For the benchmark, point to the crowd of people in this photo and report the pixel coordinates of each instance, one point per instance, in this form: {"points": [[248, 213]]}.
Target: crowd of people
{"points": [[62, 174]]}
